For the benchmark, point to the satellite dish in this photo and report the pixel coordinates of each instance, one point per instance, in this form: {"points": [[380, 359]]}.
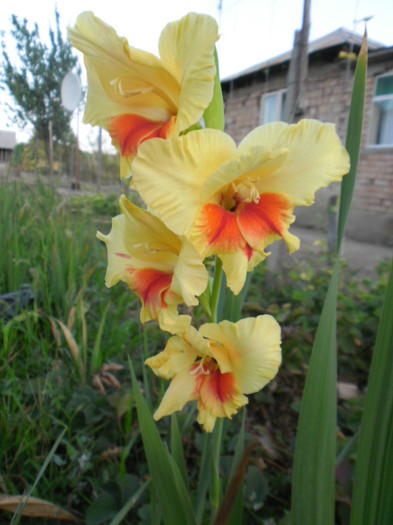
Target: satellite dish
{"points": [[70, 91]]}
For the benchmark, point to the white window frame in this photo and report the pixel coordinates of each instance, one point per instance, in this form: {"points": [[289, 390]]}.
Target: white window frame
{"points": [[279, 114], [375, 116]]}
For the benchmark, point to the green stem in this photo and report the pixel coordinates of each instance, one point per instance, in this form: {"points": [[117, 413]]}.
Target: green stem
{"points": [[215, 487], [215, 290], [204, 477]]}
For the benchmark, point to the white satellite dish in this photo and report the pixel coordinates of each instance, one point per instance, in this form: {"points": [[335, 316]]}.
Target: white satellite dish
{"points": [[70, 91]]}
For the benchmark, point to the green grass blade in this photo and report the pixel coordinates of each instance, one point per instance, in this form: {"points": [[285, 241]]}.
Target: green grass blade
{"points": [[125, 452], [166, 478], [313, 479], [97, 355], [118, 519], [354, 138], [372, 500], [16, 517]]}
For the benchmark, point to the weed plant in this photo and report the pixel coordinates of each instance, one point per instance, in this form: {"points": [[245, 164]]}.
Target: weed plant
{"points": [[65, 344]]}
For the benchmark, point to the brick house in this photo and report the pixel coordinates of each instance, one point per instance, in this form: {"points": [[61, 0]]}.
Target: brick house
{"points": [[257, 96]]}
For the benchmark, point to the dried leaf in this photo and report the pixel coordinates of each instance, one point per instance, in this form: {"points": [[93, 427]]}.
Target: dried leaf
{"points": [[37, 508], [111, 367], [112, 452], [110, 380], [97, 383]]}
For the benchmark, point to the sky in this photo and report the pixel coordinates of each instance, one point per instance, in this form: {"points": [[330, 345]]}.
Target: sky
{"points": [[251, 30]]}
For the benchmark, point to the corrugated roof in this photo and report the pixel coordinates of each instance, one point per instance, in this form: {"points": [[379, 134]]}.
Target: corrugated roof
{"points": [[338, 37], [7, 139]]}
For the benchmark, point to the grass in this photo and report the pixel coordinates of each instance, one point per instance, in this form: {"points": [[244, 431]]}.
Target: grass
{"points": [[65, 342]]}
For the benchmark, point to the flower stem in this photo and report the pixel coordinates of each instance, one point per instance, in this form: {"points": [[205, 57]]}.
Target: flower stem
{"points": [[216, 290], [216, 449]]}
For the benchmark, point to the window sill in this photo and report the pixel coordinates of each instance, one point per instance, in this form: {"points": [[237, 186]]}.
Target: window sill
{"points": [[378, 148]]}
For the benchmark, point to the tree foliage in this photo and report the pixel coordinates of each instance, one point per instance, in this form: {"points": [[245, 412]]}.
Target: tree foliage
{"points": [[34, 82]]}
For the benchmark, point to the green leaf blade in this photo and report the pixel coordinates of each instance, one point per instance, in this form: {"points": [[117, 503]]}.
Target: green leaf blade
{"points": [[313, 488], [177, 448], [354, 139], [166, 478], [313, 479], [372, 499], [214, 113]]}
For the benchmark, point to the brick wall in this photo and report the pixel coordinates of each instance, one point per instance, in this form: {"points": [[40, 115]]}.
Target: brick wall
{"points": [[327, 97]]}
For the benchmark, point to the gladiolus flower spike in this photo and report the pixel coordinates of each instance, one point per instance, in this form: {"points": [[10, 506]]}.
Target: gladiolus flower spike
{"points": [[204, 197]]}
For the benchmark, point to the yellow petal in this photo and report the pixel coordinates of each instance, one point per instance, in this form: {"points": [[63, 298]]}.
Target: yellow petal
{"points": [[121, 79], [211, 400], [187, 52], [176, 357], [206, 419], [250, 349], [168, 174], [180, 391], [144, 229], [314, 158], [160, 267], [170, 321], [242, 167], [190, 276], [117, 266], [235, 266], [256, 258], [126, 83]]}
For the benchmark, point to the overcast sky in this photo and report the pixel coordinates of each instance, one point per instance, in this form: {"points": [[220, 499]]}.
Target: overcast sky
{"points": [[251, 30]]}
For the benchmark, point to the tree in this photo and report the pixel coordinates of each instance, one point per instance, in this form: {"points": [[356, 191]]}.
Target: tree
{"points": [[35, 82]]}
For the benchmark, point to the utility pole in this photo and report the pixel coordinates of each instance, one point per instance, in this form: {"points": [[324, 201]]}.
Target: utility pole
{"points": [[298, 65]]}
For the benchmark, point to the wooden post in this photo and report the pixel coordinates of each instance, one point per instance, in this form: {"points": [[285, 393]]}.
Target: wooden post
{"points": [[76, 184]]}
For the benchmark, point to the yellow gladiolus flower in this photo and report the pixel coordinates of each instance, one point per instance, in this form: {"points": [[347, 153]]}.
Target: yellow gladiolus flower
{"points": [[217, 366], [234, 202], [160, 267], [137, 96]]}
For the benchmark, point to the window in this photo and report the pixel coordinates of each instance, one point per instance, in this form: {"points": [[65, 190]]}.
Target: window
{"points": [[272, 107], [381, 129]]}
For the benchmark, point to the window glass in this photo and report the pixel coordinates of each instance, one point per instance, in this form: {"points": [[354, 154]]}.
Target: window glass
{"points": [[381, 126], [385, 128], [270, 105], [384, 86], [273, 107]]}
